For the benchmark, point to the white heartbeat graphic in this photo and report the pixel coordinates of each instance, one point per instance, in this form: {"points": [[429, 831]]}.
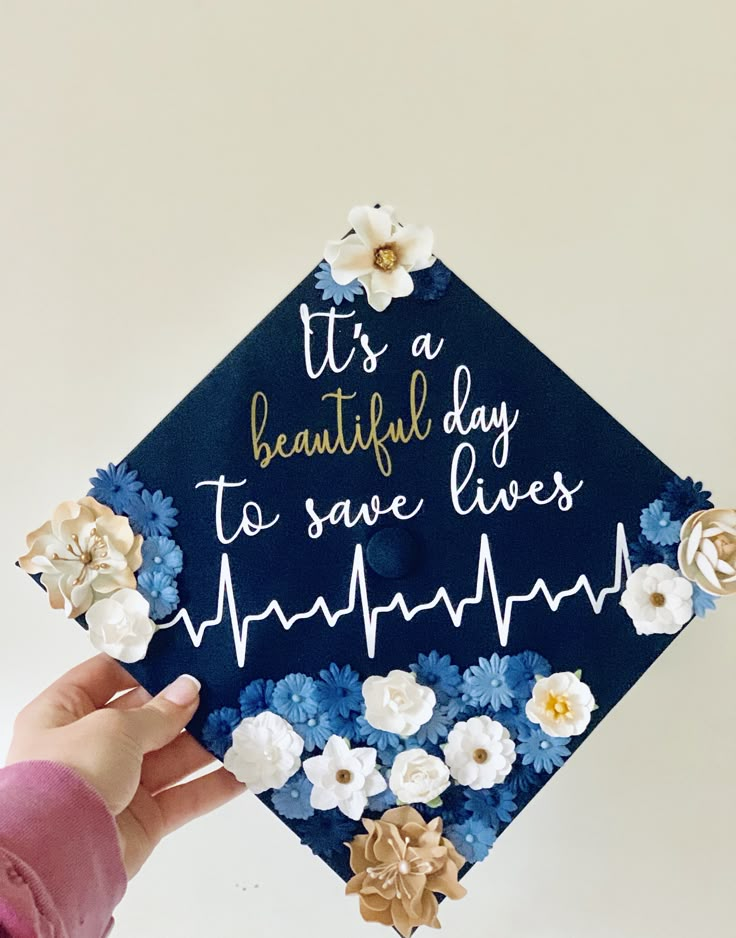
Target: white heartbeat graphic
{"points": [[358, 599]]}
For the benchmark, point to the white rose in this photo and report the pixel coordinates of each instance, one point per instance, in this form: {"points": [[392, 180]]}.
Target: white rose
{"points": [[657, 600], [417, 777], [707, 553], [396, 703], [561, 704], [265, 752], [479, 752], [344, 778], [120, 625]]}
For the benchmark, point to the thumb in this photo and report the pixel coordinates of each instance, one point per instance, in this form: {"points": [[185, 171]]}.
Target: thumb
{"points": [[163, 718]]}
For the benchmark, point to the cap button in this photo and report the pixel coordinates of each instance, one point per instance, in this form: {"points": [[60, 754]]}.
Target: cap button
{"points": [[392, 552]]}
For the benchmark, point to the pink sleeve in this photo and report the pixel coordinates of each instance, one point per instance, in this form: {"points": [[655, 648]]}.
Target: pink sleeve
{"points": [[61, 871]]}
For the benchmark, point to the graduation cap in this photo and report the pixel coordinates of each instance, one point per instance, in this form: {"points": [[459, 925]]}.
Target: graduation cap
{"points": [[411, 561]]}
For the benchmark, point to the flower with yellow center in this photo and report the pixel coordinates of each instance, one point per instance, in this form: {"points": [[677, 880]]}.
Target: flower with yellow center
{"points": [[561, 704]]}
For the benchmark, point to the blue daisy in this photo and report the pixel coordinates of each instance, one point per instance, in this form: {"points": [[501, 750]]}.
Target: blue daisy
{"points": [[315, 731], [702, 602], [387, 744], [657, 525], [494, 806], [642, 551], [160, 591], [256, 697], [432, 282], [339, 691], [292, 800], [514, 718], [161, 553], [152, 514], [347, 727], [683, 497], [327, 831], [486, 683], [460, 706], [438, 672], [435, 730], [217, 732], [331, 290], [294, 698], [523, 670], [545, 753], [472, 838], [115, 487]]}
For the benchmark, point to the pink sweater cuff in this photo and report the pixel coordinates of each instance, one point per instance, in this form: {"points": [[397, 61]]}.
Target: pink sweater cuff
{"points": [[61, 870]]}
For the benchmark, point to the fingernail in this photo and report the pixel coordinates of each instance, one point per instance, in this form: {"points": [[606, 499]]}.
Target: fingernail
{"points": [[183, 691]]}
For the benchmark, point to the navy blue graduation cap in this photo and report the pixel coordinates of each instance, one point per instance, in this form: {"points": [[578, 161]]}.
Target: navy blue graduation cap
{"points": [[411, 561]]}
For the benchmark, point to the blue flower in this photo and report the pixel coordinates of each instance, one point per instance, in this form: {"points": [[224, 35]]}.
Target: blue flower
{"points": [[326, 832], [472, 838], [161, 553], [160, 591], [387, 744], [331, 290], [683, 497], [434, 731], [523, 780], [545, 753], [460, 706], [217, 732], [702, 602], [642, 551], [256, 697], [347, 727], [292, 799], [657, 525], [522, 672], [339, 691], [514, 719], [115, 487], [152, 514], [494, 806], [315, 731], [439, 673], [294, 698], [432, 282], [486, 683]]}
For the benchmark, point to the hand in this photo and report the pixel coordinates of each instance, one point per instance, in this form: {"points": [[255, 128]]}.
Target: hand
{"points": [[132, 750]]}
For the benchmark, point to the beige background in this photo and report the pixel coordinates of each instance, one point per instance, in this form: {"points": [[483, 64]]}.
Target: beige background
{"points": [[170, 169]]}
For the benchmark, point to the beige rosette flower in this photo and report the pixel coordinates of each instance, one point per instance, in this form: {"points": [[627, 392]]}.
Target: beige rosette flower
{"points": [[399, 865], [83, 553], [707, 553]]}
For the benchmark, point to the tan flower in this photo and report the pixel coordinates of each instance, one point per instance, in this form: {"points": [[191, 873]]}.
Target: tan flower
{"points": [[83, 553], [399, 865], [707, 553]]}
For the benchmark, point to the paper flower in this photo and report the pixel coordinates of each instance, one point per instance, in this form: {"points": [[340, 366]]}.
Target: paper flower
{"points": [[152, 514], [479, 752], [294, 698], [642, 552], [418, 777], [315, 731], [658, 526], [683, 497], [265, 752], [525, 778], [399, 865], [162, 554], [486, 683], [115, 487], [438, 672], [380, 254], [545, 753], [217, 732], [332, 290], [435, 730], [702, 602], [707, 553], [522, 671], [514, 718], [657, 600], [387, 744], [120, 625], [343, 778], [338, 691], [494, 806], [292, 799], [348, 727], [561, 704], [396, 703], [472, 838], [85, 552], [160, 591], [256, 697]]}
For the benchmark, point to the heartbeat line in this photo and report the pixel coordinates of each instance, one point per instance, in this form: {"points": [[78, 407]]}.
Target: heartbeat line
{"points": [[358, 599]]}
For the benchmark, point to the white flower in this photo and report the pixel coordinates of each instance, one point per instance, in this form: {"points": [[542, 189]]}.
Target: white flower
{"points": [[396, 703], [418, 777], [657, 600], [120, 625], [265, 752], [380, 254], [707, 553], [83, 553], [479, 752], [561, 704], [343, 778]]}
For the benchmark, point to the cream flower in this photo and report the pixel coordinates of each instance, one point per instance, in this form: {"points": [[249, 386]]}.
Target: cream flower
{"points": [[657, 600], [120, 625], [380, 254], [707, 553], [396, 703], [265, 752], [85, 552], [344, 778], [417, 777], [561, 704], [479, 752]]}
